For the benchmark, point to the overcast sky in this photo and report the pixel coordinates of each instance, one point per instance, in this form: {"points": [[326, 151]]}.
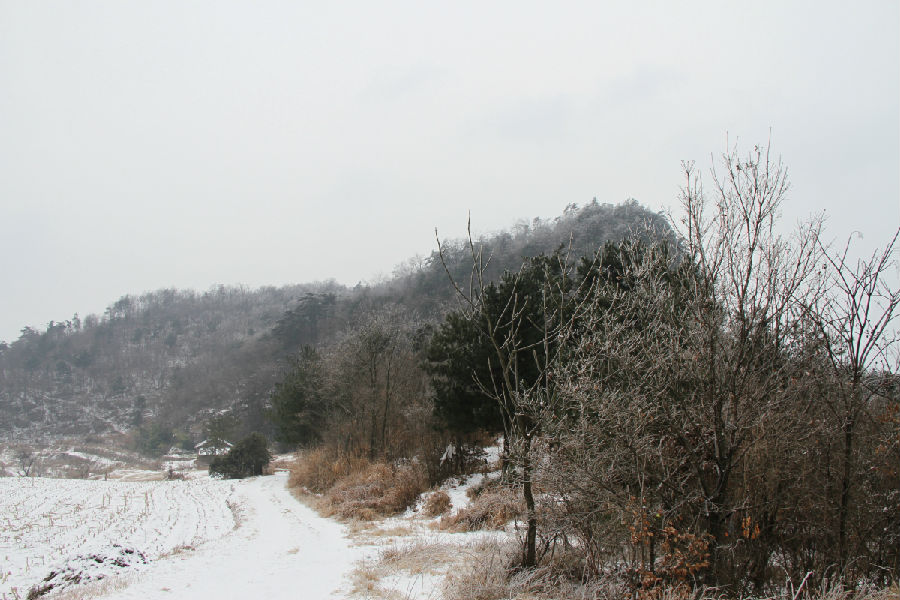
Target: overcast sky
{"points": [[188, 143]]}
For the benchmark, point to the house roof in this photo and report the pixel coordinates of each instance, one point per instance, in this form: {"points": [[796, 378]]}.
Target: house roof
{"points": [[208, 444]]}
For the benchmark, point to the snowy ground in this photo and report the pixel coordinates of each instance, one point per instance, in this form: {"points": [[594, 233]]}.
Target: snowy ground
{"points": [[175, 539], [408, 556], [281, 550], [203, 538], [48, 524]]}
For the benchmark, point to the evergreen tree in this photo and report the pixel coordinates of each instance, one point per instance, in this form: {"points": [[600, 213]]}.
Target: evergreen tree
{"points": [[248, 458], [297, 406]]}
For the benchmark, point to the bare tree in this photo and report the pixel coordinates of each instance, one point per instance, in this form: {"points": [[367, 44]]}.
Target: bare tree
{"points": [[754, 282], [26, 458], [856, 321], [374, 385], [521, 322], [679, 383]]}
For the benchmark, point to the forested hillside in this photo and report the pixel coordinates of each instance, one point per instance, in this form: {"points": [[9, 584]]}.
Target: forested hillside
{"points": [[160, 365], [124, 369]]}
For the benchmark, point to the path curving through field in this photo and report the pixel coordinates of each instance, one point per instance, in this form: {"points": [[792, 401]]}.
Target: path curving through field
{"points": [[282, 549]]}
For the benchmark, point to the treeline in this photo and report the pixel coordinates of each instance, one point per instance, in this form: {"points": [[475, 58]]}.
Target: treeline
{"points": [[364, 394], [360, 381], [722, 411], [714, 407], [148, 363], [159, 367]]}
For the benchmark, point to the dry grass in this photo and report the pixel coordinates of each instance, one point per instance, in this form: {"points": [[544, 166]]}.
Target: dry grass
{"points": [[94, 589], [392, 531], [437, 504], [489, 573], [318, 470], [354, 488], [365, 579], [837, 592], [365, 533], [484, 574], [379, 490], [360, 530], [416, 558], [492, 508]]}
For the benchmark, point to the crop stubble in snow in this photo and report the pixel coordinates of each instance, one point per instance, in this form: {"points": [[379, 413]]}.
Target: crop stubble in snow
{"points": [[46, 523], [281, 550]]}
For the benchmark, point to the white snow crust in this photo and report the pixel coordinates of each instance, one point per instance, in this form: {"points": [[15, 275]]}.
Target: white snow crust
{"points": [[202, 538], [193, 539], [281, 550], [46, 524]]}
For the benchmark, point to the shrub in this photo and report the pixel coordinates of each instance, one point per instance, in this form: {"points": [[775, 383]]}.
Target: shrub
{"points": [[437, 504], [247, 458], [318, 470], [355, 488], [379, 490], [492, 508]]}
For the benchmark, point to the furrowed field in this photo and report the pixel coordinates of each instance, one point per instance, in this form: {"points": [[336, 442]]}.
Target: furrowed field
{"points": [[82, 530]]}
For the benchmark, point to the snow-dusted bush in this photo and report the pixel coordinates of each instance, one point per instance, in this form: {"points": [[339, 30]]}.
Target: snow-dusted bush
{"points": [[378, 490], [492, 508], [437, 504], [319, 469]]}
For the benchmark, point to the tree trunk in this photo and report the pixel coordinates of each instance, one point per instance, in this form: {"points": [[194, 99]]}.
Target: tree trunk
{"points": [[529, 558], [387, 406], [372, 434], [845, 490], [373, 393]]}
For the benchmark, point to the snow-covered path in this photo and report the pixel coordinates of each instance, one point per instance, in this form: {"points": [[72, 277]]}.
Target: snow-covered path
{"points": [[282, 549]]}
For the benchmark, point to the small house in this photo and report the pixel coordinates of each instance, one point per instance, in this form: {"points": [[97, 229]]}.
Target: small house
{"points": [[209, 449]]}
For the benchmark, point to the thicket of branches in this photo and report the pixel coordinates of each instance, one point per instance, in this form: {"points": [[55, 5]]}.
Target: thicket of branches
{"points": [[715, 407], [363, 394], [722, 411]]}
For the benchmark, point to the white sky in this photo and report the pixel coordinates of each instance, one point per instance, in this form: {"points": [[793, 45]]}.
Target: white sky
{"points": [[188, 143]]}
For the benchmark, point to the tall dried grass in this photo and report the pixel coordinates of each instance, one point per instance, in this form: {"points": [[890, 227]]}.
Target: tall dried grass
{"points": [[437, 504], [318, 470], [492, 508], [354, 488], [378, 490], [838, 592]]}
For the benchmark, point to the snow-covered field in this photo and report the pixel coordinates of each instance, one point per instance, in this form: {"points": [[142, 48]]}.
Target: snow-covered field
{"points": [[47, 524], [203, 538], [281, 550], [72, 459], [193, 539]]}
